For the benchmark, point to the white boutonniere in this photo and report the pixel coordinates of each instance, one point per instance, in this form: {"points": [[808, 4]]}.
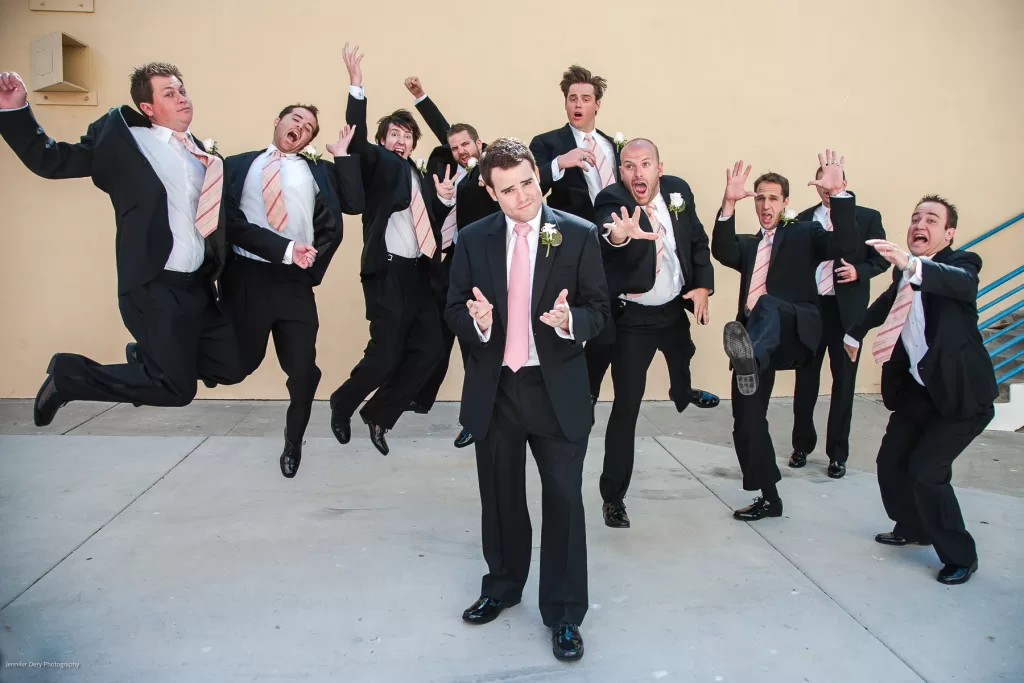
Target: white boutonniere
{"points": [[550, 237], [421, 166], [210, 145], [471, 164], [788, 216], [620, 141], [310, 153], [676, 203]]}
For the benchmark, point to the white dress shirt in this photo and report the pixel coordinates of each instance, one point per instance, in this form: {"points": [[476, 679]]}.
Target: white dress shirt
{"points": [[912, 334], [593, 176], [669, 282], [299, 191], [532, 241], [182, 175], [821, 215]]}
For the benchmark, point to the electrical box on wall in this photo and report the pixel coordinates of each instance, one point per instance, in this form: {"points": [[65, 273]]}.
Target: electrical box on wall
{"points": [[61, 71], [62, 5]]}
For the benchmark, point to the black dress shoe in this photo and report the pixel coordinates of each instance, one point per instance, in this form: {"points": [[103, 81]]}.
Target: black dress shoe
{"points": [[566, 642], [485, 610], [759, 509], [48, 401], [798, 459], [893, 538], [291, 456], [209, 384], [740, 350], [131, 354], [341, 426], [836, 469], [952, 574], [465, 438], [615, 515], [377, 436], [417, 408], [703, 399]]}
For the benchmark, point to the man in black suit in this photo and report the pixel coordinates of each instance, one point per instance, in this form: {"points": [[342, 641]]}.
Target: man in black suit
{"points": [[778, 326], [577, 161], [460, 199], [844, 289], [400, 272], [526, 383], [937, 379], [282, 200], [170, 240], [658, 265]]}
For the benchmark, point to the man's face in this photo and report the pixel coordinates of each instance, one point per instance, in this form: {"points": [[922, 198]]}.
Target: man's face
{"points": [[770, 204], [927, 233], [294, 130], [581, 106], [517, 191], [399, 140], [171, 107], [641, 172], [822, 192], [464, 147]]}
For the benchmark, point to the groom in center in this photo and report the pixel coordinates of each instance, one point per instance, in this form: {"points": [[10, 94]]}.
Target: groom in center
{"points": [[527, 289]]}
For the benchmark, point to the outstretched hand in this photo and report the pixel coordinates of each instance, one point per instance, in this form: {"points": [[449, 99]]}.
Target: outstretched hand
{"points": [[558, 316], [481, 310]]}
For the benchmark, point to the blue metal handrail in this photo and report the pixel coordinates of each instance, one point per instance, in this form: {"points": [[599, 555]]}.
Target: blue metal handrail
{"points": [[1002, 347], [1011, 373], [993, 231], [992, 303], [1006, 278], [1008, 360], [1003, 331], [999, 316]]}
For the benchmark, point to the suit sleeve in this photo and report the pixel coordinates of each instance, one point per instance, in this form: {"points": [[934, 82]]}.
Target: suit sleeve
{"points": [[725, 246], [700, 251], [876, 313], [460, 290], [957, 280], [366, 151], [874, 264], [630, 267], [267, 244], [591, 309], [436, 121], [543, 154], [40, 153], [846, 234], [350, 184]]}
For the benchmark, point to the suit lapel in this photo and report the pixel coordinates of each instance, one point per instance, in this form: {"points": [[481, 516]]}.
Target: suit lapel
{"points": [[682, 242], [780, 235], [544, 263], [615, 150], [496, 260]]}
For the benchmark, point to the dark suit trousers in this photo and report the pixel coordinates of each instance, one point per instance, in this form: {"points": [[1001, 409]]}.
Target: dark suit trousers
{"points": [[523, 415], [428, 394], [267, 299], [640, 331], [777, 346], [405, 343], [182, 336], [808, 380], [915, 468]]}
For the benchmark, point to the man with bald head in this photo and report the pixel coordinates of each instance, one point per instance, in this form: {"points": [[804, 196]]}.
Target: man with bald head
{"points": [[658, 264]]}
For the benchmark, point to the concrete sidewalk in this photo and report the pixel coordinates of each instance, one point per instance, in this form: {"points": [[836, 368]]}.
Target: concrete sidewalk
{"points": [[164, 545]]}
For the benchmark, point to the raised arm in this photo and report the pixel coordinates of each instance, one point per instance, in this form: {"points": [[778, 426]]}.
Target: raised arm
{"points": [[436, 121], [725, 247], [347, 173]]}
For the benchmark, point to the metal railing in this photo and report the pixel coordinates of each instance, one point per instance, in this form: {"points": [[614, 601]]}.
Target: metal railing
{"points": [[998, 324]]}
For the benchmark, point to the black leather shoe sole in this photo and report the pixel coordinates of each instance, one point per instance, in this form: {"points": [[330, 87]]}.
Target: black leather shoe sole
{"points": [[740, 350], [889, 538], [47, 403]]}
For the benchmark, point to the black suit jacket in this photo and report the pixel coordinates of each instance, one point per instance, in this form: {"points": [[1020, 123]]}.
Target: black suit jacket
{"points": [[480, 261], [340, 188], [109, 155], [956, 370], [797, 250], [387, 181], [570, 194], [853, 297]]}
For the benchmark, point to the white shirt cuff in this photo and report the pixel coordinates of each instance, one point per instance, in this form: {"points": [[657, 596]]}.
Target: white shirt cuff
{"points": [[566, 335], [16, 108], [484, 336], [288, 254], [850, 341], [357, 92], [916, 278], [420, 99], [608, 239], [723, 218], [556, 173], [842, 195], [446, 202]]}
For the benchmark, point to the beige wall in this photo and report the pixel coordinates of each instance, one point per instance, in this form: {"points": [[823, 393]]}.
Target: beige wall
{"points": [[921, 95]]}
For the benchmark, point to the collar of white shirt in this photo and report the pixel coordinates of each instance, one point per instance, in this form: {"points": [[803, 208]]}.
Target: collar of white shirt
{"points": [[164, 134], [534, 223], [287, 155], [580, 135]]}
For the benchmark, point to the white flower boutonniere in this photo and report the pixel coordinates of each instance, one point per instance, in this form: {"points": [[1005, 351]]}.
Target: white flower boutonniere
{"points": [[676, 203], [550, 237], [421, 166], [788, 216], [310, 153], [471, 164], [210, 145], [620, 141]]}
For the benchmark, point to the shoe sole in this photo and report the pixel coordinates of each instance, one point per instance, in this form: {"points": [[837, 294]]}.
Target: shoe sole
{"points": [[469, 442], [570, 658], [740, 350]]}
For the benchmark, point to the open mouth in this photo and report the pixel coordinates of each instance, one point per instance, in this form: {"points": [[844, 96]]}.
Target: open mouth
{"points": [[919, 238], [292, 136], [640, 190], [577, 115], [766, 218], [464, 159]]}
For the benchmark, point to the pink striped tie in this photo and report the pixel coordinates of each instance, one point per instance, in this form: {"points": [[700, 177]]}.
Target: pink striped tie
{"points": [[450, 224], [517, 339], [658, 229], [885, 340], [273, 200], [825, 282], [604, 167], [208, 211], [421, 222], [759, 278]]}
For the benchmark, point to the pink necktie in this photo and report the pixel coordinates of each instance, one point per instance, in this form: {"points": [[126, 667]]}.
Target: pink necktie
{"points": [[604, 167], [420, 221], [450, 224], [273, 200], [208, 212], [759, 278], [517, 339], [825, 283], [885, 340], [658, 229]]}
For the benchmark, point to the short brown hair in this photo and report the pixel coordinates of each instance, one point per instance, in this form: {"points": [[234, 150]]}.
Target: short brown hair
{"points": [[504, 153], [402, 118], [772, 177], [142, 86], [951, 213], [463, 128], [308, 107], [577, 74]]}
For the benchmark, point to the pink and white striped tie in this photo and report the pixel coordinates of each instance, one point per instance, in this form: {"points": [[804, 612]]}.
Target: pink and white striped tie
{"points": [[450, 223], [825, 282], [658, 229], [421, 222], [273, 199], [885, 340], [604, 167], [759, 278], [517, 338], [208, 212]]}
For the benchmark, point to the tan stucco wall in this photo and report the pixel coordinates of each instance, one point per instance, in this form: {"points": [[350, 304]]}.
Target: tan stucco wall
{"points": [[921, 95]]}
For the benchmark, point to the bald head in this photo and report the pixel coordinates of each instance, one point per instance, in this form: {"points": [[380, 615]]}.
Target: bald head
{"points": [[640, 169], [639, 146]]}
